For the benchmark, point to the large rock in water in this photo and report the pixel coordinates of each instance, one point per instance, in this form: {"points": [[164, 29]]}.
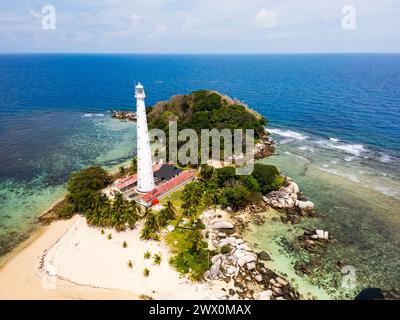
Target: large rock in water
{"points": [[247, 258], [264, 256], [305, 206]]}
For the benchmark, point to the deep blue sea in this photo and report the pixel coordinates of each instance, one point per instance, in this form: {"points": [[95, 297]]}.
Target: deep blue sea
{"points": [[339, 112]]}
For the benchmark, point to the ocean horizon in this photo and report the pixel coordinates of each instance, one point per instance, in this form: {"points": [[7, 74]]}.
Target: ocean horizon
{"points": [[334, 116]]}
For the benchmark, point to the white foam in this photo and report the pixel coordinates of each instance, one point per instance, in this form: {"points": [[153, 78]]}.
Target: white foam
{"points": [[335, 172], [387, 191], [284, 141], [99, 114], [306, 148], [354, 149], [334, 139], [288, 134], [87, 115], [349, 158], [385, 158]]}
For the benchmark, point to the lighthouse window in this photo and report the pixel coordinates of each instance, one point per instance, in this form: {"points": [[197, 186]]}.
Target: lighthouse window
{"points": [[139, 91]]}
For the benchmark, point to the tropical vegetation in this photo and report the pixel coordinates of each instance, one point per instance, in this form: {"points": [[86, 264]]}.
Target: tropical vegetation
{"points": [[204, 110]]}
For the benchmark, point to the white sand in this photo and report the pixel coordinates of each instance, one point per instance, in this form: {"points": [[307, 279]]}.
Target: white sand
{"points": [[20, 277], [86, 257]]}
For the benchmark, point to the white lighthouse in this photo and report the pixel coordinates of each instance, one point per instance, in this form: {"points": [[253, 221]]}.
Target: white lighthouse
{"points": [[145, 181]]}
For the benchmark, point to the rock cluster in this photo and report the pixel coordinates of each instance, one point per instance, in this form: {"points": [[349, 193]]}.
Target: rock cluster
{"points": [[243, 270], [264, 148], [289, 198], [124, 115], [312, 240]]}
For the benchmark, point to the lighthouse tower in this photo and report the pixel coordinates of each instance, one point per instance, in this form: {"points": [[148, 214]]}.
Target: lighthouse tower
{"points": [[145, 181]]}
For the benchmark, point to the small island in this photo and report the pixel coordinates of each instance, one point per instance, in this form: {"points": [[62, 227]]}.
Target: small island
{"points": [[183, 244]]}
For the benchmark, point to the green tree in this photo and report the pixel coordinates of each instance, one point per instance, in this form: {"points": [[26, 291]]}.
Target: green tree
{"points": [[166, 214], [195, 238], [122, 171], [268, 177], [157, 258], [83, 185], [235, 196], [151, 228], [192, 194], [133, 167]]}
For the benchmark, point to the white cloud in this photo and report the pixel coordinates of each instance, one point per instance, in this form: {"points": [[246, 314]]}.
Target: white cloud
{"points": [[188, 24], [136, 21], [35, 15], [161, 29], [265, 18]]}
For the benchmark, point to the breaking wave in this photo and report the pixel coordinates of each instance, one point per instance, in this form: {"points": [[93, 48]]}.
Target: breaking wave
{"points": [[385, 158], [89, 115], [353, 149], [288, 134]]}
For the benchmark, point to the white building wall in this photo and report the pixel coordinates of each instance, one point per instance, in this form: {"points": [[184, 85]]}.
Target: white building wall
{"points": [[145, 181]]}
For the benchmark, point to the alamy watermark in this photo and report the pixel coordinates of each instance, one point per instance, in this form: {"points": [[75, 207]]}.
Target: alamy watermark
{"points": [[349, 279], [47, 17], [187, 147], [349, 17]]}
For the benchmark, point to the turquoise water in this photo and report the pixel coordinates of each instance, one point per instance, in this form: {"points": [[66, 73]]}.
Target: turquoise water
{"points": [[39, 174], [359, 206]]}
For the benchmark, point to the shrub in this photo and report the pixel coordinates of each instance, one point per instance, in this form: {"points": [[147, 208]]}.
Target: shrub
{"points": [[268, 177], [190, 254], [83, 185], [124, 244], [235, 197], [109, 236], [146, 272], [66, 211], [226, 249]]}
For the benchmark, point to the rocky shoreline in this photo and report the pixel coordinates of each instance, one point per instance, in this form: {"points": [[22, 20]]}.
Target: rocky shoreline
{"points": [[123, 115], [241, 266], [243, 270], [264, 148]]}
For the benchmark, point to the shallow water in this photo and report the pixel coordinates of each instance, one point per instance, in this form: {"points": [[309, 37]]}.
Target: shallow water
{"points": [[267, 238], [358, 199], [32, 184]]}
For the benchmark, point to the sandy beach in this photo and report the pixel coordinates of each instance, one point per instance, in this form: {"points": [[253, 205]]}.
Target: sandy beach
{"points": [[70, 260]]}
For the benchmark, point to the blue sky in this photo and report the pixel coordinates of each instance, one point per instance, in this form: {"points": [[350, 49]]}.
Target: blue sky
{"points": [[200, 26]]}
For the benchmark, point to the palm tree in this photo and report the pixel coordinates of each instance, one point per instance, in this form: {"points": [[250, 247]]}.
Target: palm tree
{"points": [[146, 212], [147, 255], [121, 213], [151, 227], [196, 239], [157, 258], [122, 171], [167, 213], [162, 217], [133, 168], [171, 210], [99, 209], [130, 264]]}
